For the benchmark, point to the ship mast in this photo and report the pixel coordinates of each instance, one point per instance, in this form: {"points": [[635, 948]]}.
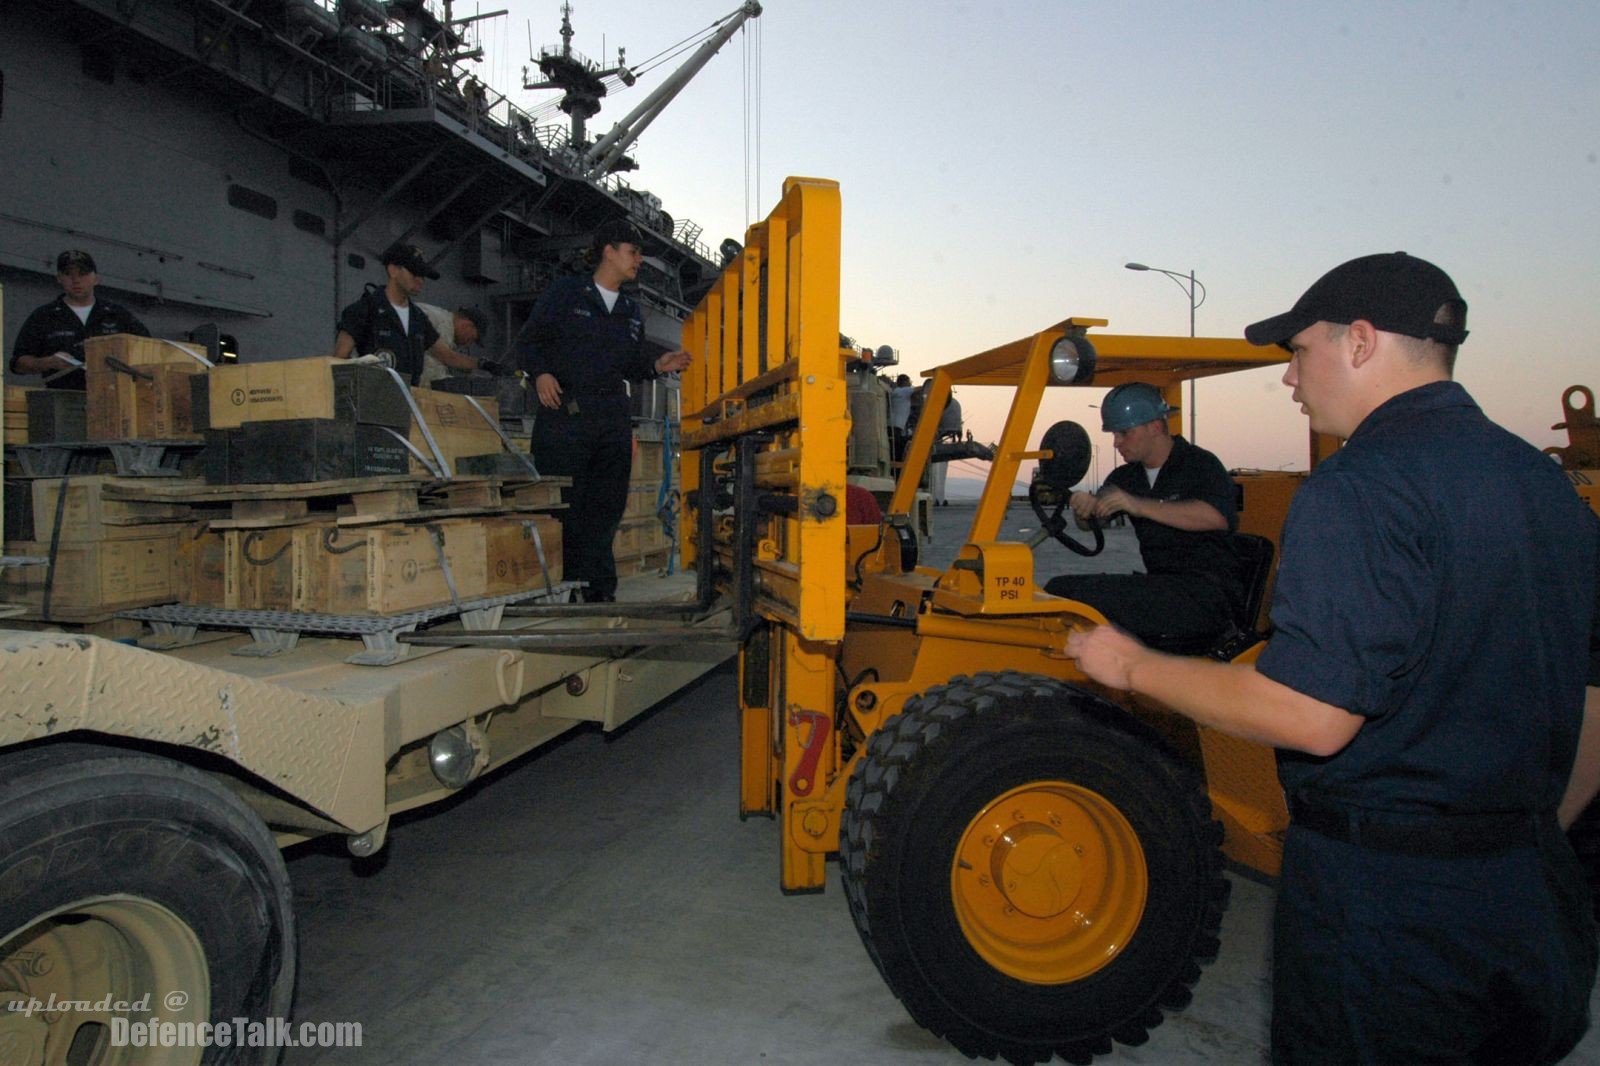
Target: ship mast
{"points": [[582, 83], [580, 80]]}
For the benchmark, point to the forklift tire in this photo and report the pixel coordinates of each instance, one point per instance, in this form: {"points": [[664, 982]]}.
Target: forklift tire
{"points": [[1030, 868], [141, 890]]}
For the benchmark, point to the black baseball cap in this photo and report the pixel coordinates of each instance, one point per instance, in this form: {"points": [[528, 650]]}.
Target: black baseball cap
{"points": [[616, 231], [75, 259], [410, 257], [1396, 292]]}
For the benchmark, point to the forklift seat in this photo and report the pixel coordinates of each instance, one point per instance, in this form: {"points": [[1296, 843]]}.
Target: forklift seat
{"points": [[1255, 554]]}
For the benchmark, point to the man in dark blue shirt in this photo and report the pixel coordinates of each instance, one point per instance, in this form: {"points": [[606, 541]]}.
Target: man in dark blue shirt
{"points": [[1181, 502], [583, 340], [386, 320], [1426, 682], [55, 332]]}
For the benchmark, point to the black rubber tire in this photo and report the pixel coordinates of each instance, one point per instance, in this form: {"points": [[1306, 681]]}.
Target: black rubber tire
{"points": [[80, 822], [926, 774]]}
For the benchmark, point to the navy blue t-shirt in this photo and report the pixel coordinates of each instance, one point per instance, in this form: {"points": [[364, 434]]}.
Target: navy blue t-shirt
{"points": [[1190, 473], [1437, 579], [591, 351]]}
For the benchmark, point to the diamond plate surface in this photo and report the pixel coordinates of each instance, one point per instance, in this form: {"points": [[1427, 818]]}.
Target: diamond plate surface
{"points": [[325, 751]]}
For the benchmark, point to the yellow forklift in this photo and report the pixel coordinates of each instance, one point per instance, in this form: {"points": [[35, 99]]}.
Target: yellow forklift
{"points": [[1033, 862]]}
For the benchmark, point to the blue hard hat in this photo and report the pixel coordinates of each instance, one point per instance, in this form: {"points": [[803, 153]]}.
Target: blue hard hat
{"points": [[1132, 404]]}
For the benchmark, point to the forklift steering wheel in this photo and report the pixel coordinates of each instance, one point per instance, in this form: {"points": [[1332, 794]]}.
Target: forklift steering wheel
{"points": [[1051, 487], [1042, 496]]}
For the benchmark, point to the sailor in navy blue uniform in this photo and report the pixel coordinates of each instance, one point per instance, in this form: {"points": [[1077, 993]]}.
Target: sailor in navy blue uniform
{"points": [[1434, 616], [386, 320], [1181, 503], [60, 326], [582, 341]]}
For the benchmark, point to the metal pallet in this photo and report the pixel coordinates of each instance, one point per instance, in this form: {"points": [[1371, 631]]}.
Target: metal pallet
{"points": [[275, 632]]}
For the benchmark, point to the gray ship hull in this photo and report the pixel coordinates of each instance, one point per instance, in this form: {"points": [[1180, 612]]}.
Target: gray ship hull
{"points": [[225, 165]]}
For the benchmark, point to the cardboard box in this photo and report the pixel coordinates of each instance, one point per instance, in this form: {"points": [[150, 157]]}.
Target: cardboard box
{"points": [[130, 350], [104, 576], [386, 569], [310, 449], [319, 387], [56, 415], [513, 547], [89, 516], [153, 406]]}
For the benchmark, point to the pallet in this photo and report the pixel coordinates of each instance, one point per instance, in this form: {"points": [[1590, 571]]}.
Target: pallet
{"points": [[133, 458], [358, 501], [275, 632]]}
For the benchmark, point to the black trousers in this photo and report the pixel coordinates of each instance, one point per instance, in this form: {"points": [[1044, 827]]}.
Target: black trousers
{"points": [[593, 447], [1385, 958], [1151, 605]]}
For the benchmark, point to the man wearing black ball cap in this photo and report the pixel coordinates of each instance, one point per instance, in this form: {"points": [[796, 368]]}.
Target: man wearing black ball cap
{"points": [[50, 341], [386, 320], [1434, 632]]}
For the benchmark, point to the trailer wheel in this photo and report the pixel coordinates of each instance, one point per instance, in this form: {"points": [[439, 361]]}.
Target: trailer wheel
{"points": [[139, 881], [1031, 870]]}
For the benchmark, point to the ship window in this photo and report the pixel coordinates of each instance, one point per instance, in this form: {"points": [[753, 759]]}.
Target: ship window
{"points": [[300, 170], [257, 203], [356, 261], [305, 220]]}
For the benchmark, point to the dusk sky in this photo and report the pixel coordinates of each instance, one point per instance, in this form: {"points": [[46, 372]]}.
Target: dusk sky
{"points": [[1000, 162]]}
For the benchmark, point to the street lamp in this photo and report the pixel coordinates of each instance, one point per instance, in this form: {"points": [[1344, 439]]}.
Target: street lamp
{"points": [[1191, 287]]}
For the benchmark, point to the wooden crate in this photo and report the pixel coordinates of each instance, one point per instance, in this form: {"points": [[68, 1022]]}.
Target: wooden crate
{"points": [[104, 576], [457, 428], [142, 352], [202, 567], [386, 569], [647, 460], [154, 407], [16, 414], [513, 554], [258, 567], [318, 387], [89, 515]]}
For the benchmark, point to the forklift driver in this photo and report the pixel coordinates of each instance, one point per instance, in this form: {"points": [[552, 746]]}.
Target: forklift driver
{"points": [[1181, 503]]}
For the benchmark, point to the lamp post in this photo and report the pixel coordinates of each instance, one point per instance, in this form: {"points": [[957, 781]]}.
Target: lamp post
{"points": [[1191, 287]]}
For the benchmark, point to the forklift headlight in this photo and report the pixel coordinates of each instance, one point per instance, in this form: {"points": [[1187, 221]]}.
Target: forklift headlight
{"points": [[1072, 360]]}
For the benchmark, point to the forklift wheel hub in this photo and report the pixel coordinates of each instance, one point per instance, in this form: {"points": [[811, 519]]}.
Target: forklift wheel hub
{"points": [[1049, 882]]}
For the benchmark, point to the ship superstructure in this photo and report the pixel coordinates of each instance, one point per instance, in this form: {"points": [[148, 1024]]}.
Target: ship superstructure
{"points": [[244, 162]]}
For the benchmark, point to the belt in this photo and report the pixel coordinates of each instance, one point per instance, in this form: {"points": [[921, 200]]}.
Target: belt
{"points": [[1436, 836]]}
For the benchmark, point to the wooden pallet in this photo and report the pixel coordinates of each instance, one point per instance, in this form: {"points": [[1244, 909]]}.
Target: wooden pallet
{"points": [[358, 501]]}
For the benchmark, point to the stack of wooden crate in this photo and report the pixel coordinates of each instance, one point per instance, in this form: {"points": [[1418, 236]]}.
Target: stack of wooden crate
{"points": [[642, 543], [372, 547], [106, 554]]}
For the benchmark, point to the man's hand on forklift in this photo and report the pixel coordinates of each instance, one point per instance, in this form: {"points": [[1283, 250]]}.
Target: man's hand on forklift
{"points": [[549, 390], [1113, 501], [1083, 504], [674, 360], [1107, 655]]}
